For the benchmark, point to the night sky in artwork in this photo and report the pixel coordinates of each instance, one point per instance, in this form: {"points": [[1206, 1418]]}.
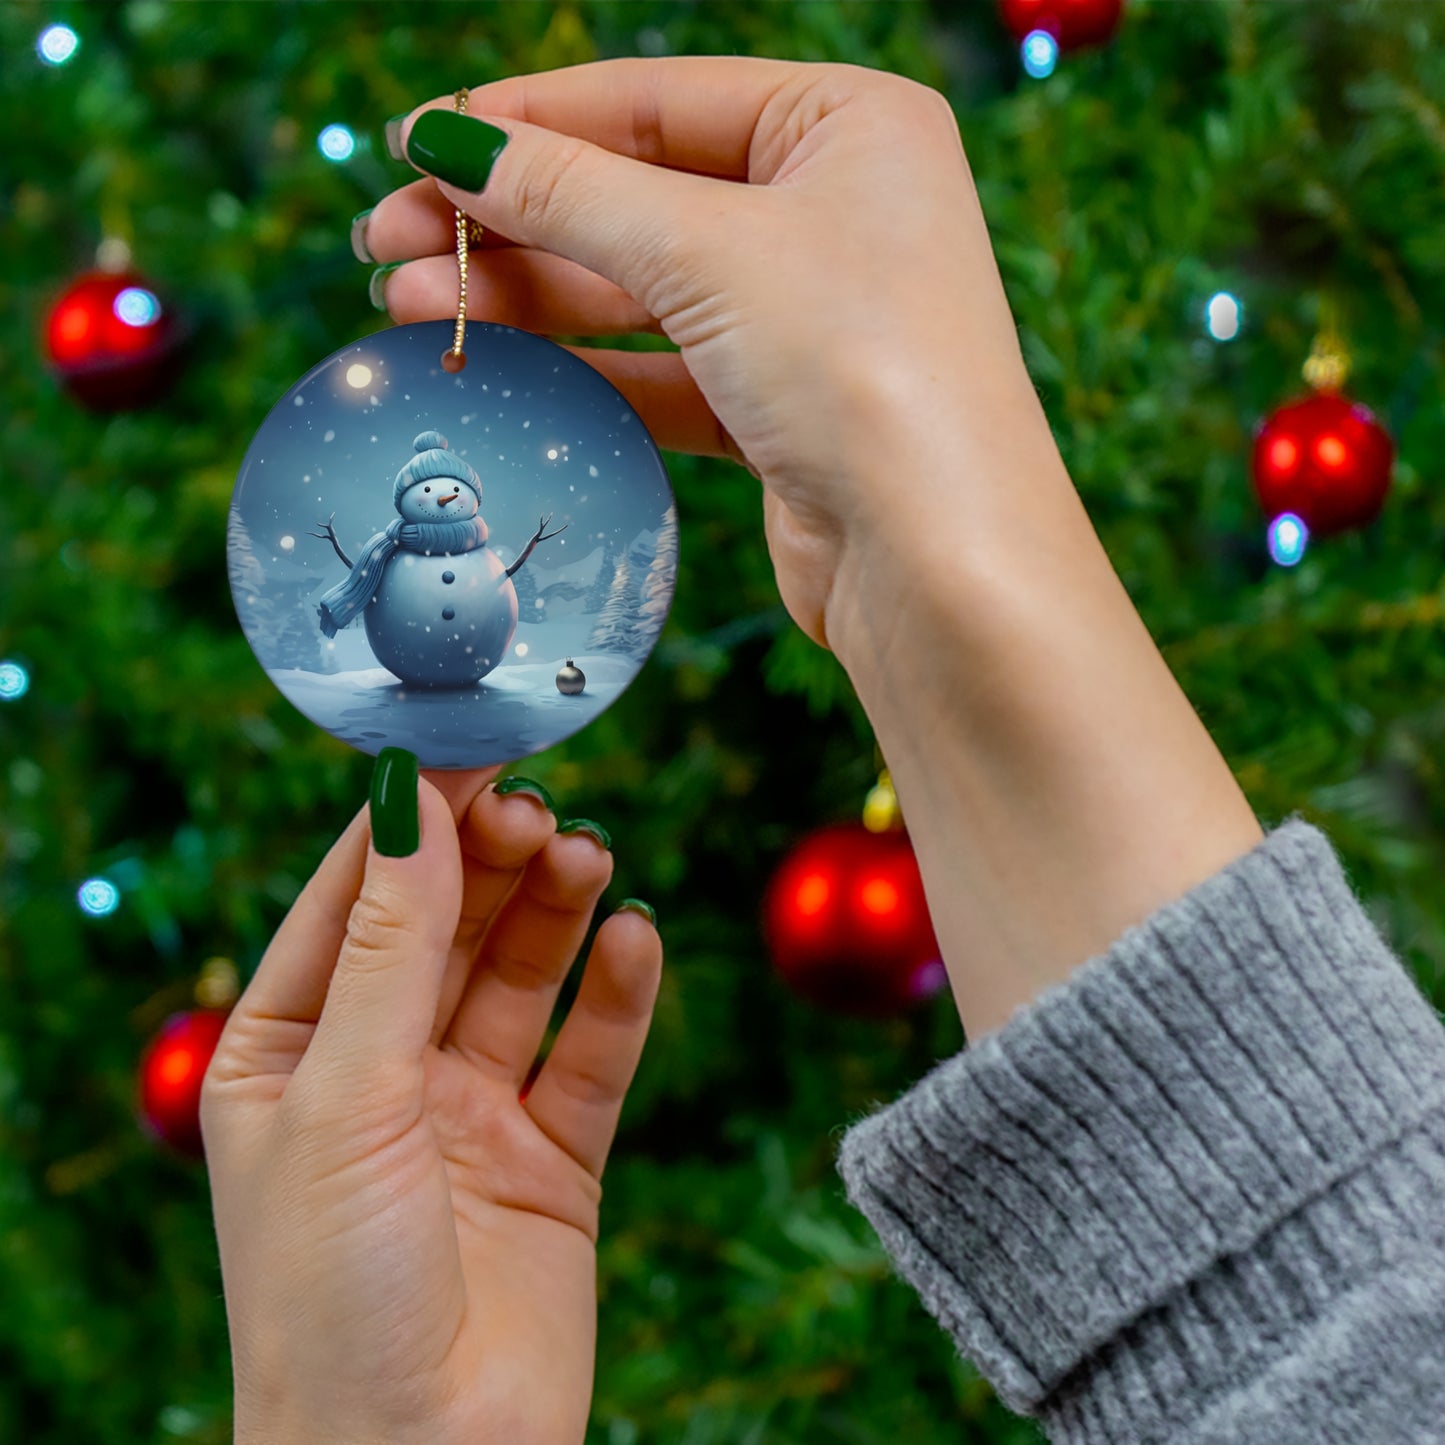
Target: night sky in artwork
{"points": [[545, 433]]}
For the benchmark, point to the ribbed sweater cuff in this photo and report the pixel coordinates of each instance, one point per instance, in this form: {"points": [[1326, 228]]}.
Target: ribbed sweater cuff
{"points": [[1168, 1151]]}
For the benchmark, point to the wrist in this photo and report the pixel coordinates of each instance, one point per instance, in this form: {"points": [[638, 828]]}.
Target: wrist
{"points": [[951, 507]]}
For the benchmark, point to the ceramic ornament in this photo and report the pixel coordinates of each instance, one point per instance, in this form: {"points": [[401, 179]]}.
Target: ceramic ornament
{"points": [[432, 559]]}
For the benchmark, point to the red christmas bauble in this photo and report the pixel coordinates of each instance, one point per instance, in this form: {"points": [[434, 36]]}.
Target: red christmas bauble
{"points": [[1073, 23], [847, 923], [171, 1072], [112, 341], [1324, 458]]}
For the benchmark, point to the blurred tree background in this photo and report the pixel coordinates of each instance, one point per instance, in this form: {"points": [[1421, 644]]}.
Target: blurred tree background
{"points": [[1286, 153]]}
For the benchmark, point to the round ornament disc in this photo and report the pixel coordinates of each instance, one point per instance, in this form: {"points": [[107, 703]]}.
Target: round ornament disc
{"points": [[431, 560]]}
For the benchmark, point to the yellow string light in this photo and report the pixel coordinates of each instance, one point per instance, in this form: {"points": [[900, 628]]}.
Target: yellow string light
{"points": [[880, 809], [219, 985]]}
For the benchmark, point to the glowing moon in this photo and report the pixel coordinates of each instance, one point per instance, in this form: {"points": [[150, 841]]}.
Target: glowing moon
{"points": [[358, 375]]}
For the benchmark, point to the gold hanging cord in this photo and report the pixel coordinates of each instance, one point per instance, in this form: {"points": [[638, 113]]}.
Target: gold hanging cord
{"points": [[467, 231]]}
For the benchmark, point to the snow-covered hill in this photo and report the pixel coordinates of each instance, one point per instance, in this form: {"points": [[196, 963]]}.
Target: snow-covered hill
{"points": [[511, 713]]}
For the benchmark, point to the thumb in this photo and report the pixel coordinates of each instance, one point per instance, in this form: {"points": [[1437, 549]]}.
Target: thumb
{"points": [[633, 223], [382, 999]]}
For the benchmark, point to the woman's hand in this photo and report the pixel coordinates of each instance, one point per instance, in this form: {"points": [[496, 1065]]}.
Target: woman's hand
{"points": [[810, 237], [408, 1246], [842, 299]]}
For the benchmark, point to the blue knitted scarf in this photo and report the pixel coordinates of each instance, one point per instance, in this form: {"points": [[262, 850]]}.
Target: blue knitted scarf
{"points": [[341, 604]]}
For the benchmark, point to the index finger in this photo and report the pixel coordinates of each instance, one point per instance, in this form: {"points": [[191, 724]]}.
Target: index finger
{"points": [[696, 113]]}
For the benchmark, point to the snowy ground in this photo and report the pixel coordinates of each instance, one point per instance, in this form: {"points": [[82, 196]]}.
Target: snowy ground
{"points": [[511, 713]]}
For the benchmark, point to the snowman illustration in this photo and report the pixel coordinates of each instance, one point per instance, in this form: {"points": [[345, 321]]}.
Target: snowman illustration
{"points": [[439, 606]]}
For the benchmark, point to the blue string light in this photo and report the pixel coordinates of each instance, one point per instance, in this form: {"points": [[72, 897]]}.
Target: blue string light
{"points": [[98, 897], [1288, 538], [57, 44], [14, 681], [336, 143], [137, 307], [1040, 52]]}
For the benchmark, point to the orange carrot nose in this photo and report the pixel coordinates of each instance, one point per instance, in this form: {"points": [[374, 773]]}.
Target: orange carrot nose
{"points": [[442, 501]]}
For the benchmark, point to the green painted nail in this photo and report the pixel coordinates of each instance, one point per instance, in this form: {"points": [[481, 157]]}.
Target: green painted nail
{"points": [[376, 287], [636, 905], [395, 821], [526, 785], [586, 825], [358, 236], [455, 148], [392, 131]]}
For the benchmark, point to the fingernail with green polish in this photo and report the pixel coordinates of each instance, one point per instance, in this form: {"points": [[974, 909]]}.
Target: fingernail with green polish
{"points": [[455, 148], [586, 825], [376, 287], [395, 820], [359, 247], [636, 905], [392, 131], [526, 785]]}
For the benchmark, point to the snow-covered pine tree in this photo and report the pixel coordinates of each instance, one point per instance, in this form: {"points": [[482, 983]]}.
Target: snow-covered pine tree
{"points": [[248, 577], [248, 580], [602, 584], [612, 632], [657, 586], [526, 584], [295, 640]]}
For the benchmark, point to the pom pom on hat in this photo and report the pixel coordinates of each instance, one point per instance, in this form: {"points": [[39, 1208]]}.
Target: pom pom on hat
{"points": [[432, 459]]}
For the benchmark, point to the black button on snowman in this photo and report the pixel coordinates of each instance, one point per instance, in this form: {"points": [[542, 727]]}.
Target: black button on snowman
{"points": [[438, 604]]}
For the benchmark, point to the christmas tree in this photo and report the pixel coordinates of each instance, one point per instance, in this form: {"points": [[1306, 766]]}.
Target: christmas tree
{"points": [[1286, 158]]}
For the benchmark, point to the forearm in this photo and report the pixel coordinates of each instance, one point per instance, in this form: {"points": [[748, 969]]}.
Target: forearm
{"points": [[1057, 784]]}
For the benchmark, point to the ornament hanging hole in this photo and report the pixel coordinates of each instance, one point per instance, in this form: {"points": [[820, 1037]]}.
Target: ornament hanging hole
{"points": [[453, 361]]}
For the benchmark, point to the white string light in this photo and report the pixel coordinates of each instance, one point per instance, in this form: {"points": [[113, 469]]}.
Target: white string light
{"points": [[57, 44]]}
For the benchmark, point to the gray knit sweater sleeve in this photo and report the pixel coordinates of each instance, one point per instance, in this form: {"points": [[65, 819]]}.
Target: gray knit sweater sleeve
{"points": [[1196, 1192]]}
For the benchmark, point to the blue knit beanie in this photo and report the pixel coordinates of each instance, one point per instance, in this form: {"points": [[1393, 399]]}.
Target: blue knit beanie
{"points": [[432, 459]]}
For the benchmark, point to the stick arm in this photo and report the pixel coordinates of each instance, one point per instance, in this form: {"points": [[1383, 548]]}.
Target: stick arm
{"points": [[540, 535], [329, 535]]}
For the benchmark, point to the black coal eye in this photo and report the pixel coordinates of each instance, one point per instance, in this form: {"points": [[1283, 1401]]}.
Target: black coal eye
{"points": [[426, 489]]}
